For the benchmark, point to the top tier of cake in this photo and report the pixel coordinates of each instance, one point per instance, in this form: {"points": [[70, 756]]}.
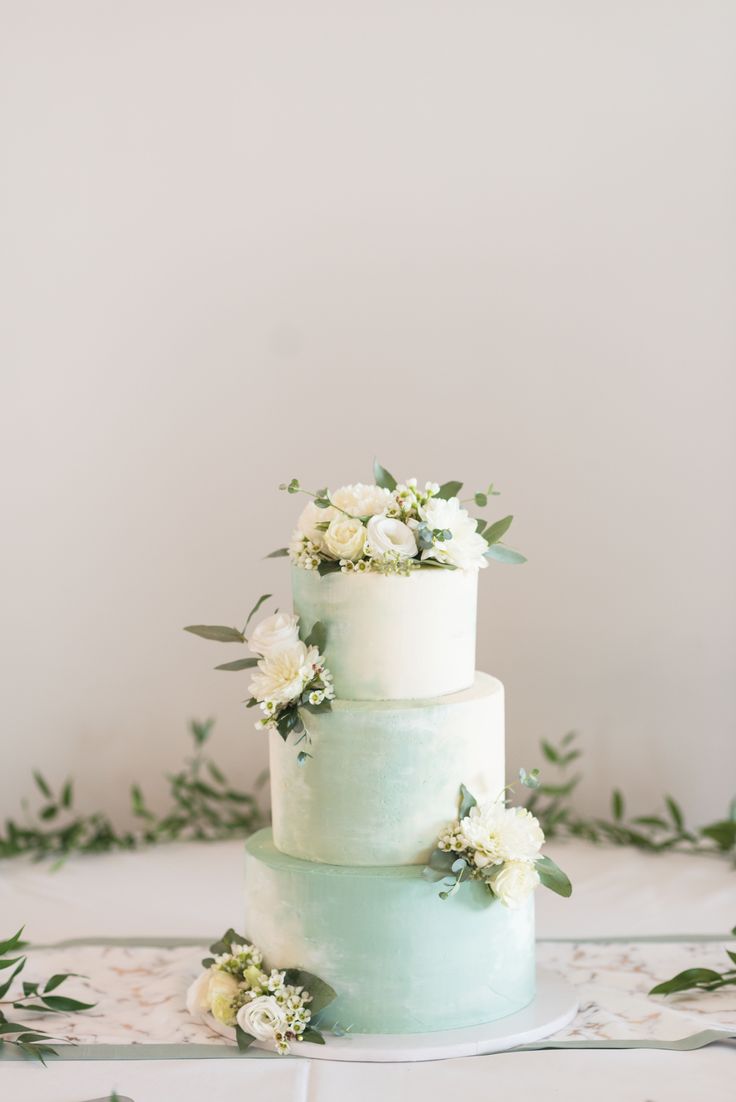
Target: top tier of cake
{"points": [[393, 637]]}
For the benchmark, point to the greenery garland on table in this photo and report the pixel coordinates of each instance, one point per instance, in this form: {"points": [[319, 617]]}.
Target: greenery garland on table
{"points": [[655, 833], [206, 806]]}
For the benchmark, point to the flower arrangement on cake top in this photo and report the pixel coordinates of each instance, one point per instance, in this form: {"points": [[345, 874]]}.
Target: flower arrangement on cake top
{"points": [[393, 528], [499, 845], [290, 672], [274, 1006]]}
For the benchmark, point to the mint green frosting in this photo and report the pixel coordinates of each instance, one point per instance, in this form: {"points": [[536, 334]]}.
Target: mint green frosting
{"points": [[401, 959], [383, 777]]}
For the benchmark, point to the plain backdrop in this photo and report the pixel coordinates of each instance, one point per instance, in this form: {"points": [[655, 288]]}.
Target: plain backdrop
{"points": [[483, 240]]}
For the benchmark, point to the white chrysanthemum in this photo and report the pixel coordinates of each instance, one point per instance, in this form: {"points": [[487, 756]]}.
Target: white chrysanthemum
{"points": [[282, 676], [514, 883], [497, 834], [362, 501], [465, 548]]}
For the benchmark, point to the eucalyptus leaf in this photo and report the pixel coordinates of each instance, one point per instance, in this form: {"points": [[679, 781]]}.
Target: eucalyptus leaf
{"points": [[449, 489], [245, 1040], [504, 554], [313, 1036], [481, 500], [497, 531], [326, 566], [440, 860], [553, 877], [529, 780], [467, 801], [317, 637], [255, 608], [383, 477], [216, 633], [239, 664]]}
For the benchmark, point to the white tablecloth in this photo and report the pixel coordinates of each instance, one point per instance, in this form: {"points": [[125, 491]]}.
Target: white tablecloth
{"points": [[185, 890]]}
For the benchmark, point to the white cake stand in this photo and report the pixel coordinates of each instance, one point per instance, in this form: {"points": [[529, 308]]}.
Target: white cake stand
{"points": [[554, 1007]]}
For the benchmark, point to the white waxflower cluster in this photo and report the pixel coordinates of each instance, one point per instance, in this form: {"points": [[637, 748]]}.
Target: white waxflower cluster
{"points": [[303, 552], [369, 528], [236, 990], [289, 673], [501, 845]]}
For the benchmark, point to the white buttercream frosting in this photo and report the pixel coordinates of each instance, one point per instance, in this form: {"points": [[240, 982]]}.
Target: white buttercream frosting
{"points": [[393, 637]]}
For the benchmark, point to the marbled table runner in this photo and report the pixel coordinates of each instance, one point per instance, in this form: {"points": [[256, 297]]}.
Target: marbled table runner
{"points": [[139, 992]]}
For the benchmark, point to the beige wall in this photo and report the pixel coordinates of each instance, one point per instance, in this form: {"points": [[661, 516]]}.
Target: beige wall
{"points": [[243, 241]]}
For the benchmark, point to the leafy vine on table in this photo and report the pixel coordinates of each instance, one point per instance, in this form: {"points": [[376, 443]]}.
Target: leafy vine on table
{"points": [[207, 806]]}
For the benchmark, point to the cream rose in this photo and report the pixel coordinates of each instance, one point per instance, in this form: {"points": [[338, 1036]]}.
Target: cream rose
{"points": [[274, 633], [345, 538], [283, 674], [262, 1018], [309, 518], [362, 501], [385, 534], [213, 991], [514, 883], [465, 549]]}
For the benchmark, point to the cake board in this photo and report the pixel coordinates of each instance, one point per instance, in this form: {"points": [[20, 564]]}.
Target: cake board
{"points": [[554, 1007]]}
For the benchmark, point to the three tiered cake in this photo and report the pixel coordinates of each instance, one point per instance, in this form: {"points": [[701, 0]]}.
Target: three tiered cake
{"points": [[377, 722]]}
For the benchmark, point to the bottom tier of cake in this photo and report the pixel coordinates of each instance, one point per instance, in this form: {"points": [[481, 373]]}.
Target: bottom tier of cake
{"points": [[401, 959]]}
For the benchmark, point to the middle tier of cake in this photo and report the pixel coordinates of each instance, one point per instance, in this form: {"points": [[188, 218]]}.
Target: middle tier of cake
{"points": [[383, 778]]}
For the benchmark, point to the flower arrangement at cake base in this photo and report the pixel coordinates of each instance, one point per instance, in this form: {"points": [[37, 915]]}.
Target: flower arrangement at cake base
{"points": [[272, 1008], [499, 845]]}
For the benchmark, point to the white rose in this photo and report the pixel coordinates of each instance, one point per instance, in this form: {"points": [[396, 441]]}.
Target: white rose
{"points": [[310, 517], [362, 501], [262, 1018], [514, 883], [466, 548], [345, 538], [274, 633], [385, 534], [283, 674], [498, 834]]}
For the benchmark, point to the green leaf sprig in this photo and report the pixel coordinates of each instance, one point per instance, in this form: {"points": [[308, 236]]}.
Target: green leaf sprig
{"points": [[36, 997], [204, 806], [699, 979], [656, 832]]}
